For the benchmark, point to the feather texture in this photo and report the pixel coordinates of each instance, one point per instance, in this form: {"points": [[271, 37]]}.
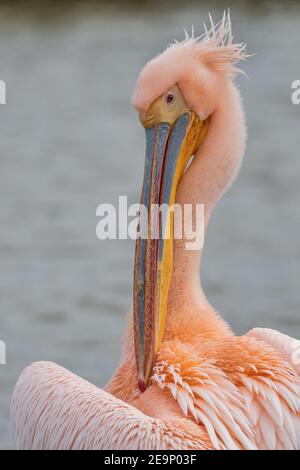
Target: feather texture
{"points": [[55, 409]]}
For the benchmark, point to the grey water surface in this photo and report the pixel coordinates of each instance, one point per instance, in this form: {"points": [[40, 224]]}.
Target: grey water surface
{"points": [[69, 140]]}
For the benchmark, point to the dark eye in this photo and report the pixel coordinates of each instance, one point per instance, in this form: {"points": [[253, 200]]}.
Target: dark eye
{"points": [[170, 97]]}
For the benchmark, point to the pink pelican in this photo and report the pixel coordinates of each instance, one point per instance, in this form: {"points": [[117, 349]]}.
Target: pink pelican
{"points": [[185, 381]]}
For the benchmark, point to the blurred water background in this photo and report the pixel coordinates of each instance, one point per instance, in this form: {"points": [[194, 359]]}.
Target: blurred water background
{"points": [[69, 140]]}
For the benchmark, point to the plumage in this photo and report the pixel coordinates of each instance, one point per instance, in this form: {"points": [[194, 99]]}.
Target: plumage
{"points": [[208, 389], [55, 409]]}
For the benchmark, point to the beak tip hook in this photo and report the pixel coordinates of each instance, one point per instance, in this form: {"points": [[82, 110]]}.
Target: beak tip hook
{"points": [[142, 385]]}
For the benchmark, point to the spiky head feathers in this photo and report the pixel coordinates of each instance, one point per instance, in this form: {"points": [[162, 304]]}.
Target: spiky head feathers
{"points": [[199, 65]]}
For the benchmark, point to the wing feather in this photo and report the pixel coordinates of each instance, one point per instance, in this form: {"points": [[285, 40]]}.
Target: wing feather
{"points": [[55, 409], [274, 406]]}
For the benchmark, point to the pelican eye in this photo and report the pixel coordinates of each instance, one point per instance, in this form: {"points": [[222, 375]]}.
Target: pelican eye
{"points": [[170, 97]]}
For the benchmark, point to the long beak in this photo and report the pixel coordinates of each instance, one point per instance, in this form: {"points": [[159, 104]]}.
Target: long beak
{"points": [[168, 150]]}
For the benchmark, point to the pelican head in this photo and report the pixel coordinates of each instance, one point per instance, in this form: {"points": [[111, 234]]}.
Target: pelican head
{"points": [[176, 94]]}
